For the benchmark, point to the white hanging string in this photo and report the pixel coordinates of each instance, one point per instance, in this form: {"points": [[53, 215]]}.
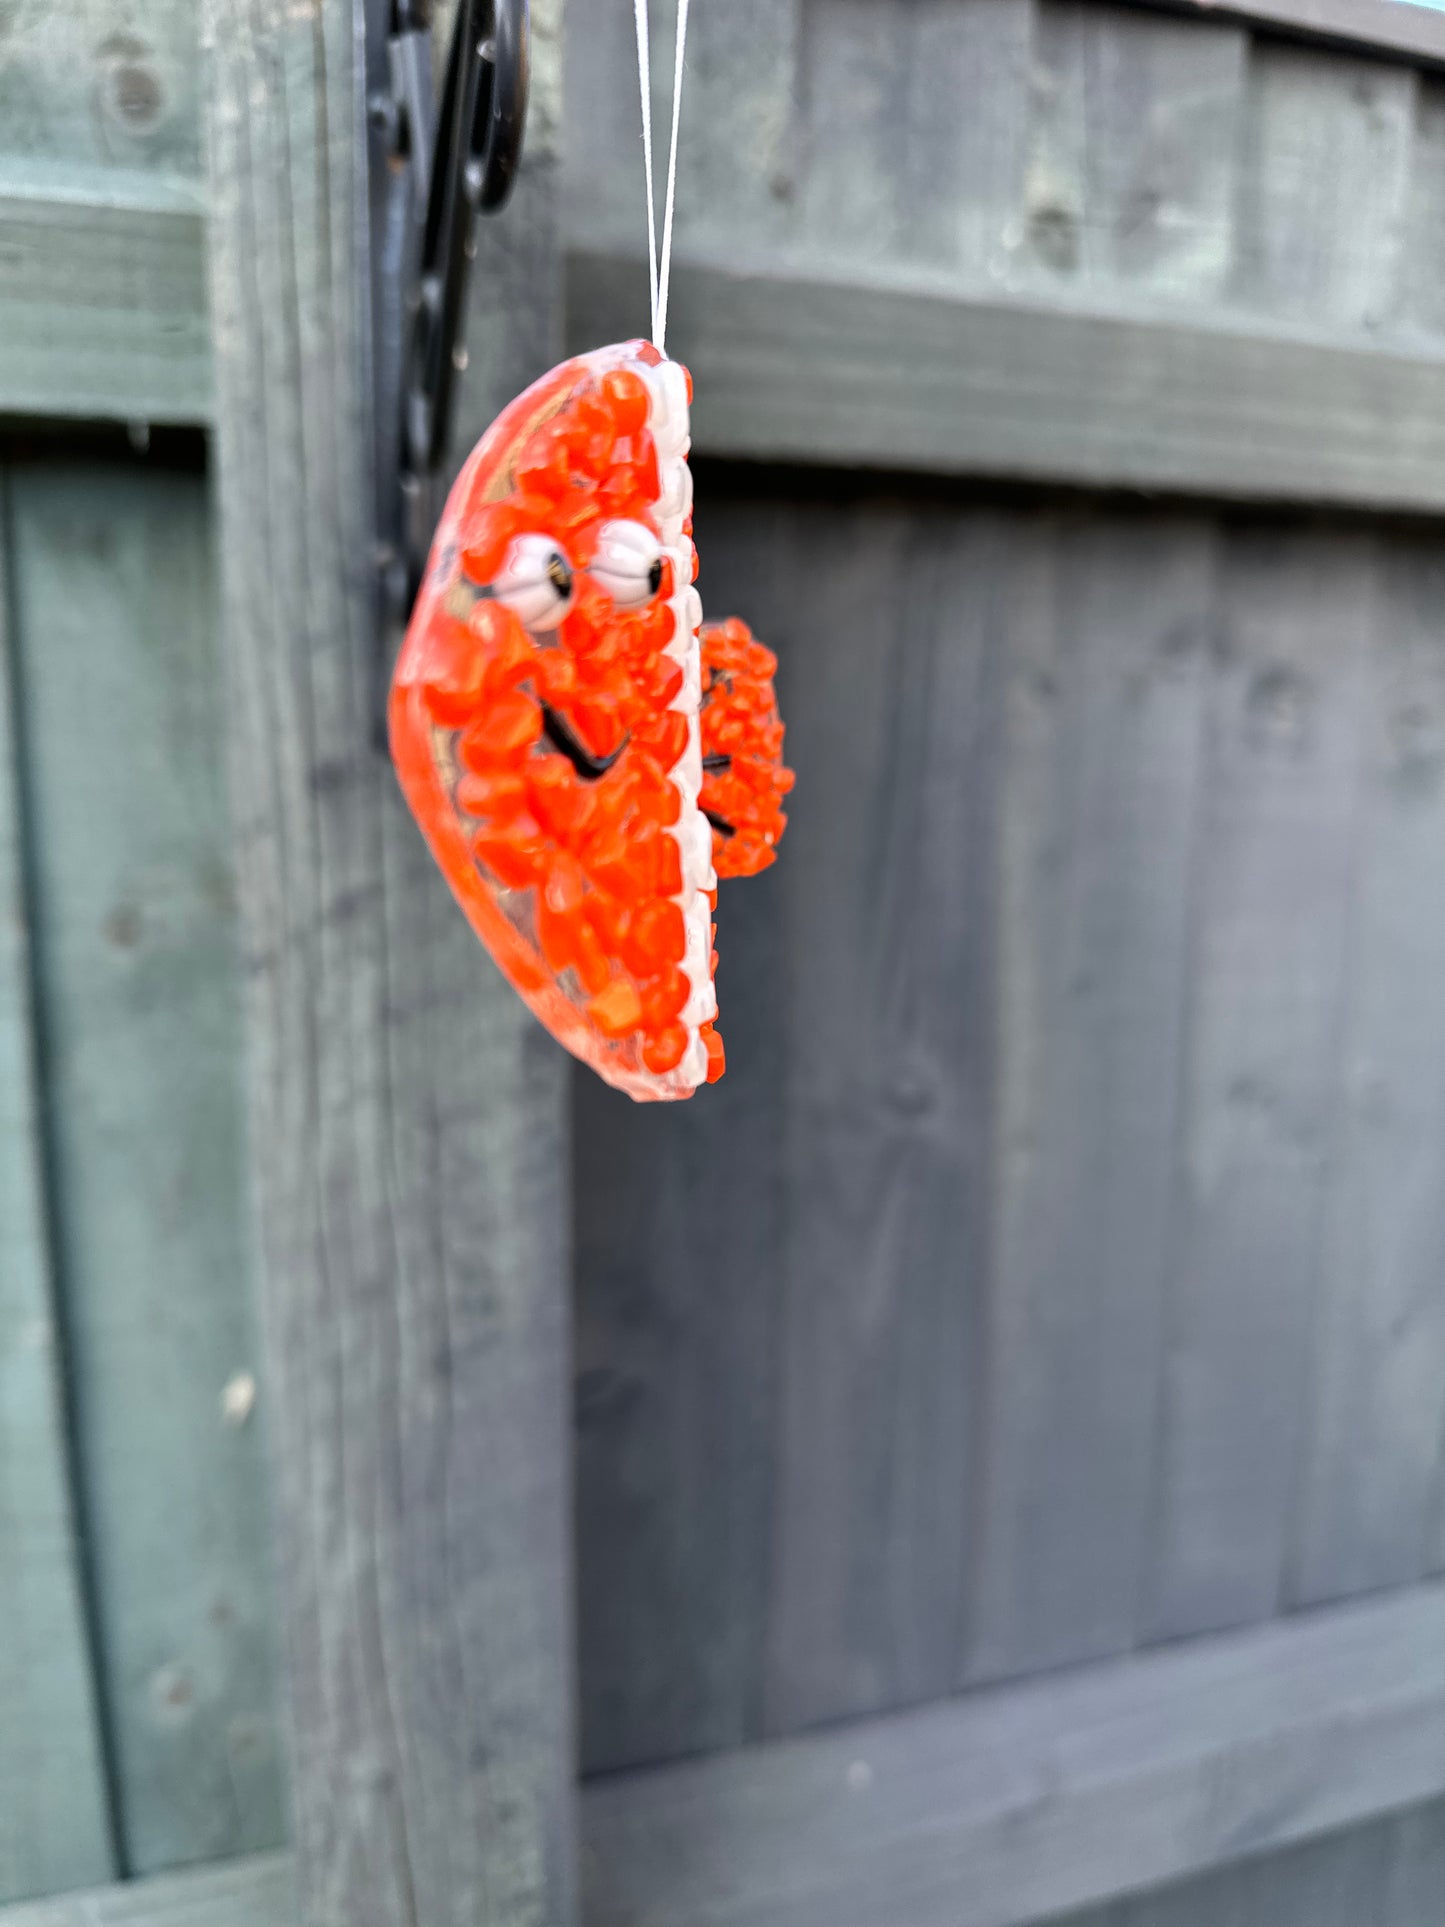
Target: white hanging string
{"points": [[659, 271]]}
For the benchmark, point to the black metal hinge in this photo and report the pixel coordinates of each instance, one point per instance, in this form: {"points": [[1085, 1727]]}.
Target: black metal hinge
{"points": [[435, 167]]}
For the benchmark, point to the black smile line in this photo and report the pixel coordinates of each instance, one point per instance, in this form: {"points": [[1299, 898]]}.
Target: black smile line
{"points": [[587, 766]]}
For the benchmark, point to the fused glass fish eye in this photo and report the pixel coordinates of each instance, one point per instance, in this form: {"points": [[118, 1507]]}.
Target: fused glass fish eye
{"points": [[628, 564], [535, 582]]}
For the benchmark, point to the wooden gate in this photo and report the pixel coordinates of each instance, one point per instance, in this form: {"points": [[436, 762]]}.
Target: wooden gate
{"points": [[1007, 1478]]}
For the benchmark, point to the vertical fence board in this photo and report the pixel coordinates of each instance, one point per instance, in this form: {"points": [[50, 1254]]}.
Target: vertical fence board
{"points": [[1109, 674], [1134, 150], [888, 1026], [1106, 1377], [138, 1001], [1416, 1877], [1379, 1406], [886, 157], [1268, 975], [1324, 186], [1422, 276], [80, 96], [406, 1113], [54, 1824], [679, 1259]]}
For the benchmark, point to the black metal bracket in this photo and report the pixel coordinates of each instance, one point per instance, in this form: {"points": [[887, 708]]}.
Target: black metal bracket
{"points": [[434, 169]]}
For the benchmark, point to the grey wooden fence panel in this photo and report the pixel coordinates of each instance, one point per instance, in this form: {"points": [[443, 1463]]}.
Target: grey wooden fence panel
{"points": [[1059, 144], [1105, 737], [1343, 1881], [406, 1113], [675, 1341], [892, 635], [54, 1819], [1325, 171], [1125, 1413], [1379, 1407], [679, 1253], [1416, 1878], [82, 87], [256, 1891], [102, 306], [1388, 1874], [1422, 272], [1133, 172], [1278, 821], [1006, 1806], [120, 710]]}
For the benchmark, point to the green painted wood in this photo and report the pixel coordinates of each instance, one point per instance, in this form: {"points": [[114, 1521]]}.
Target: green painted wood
{"points": [[102, 230], [122, 728], [103, 305], [88, 86], [407, 1114], [54, 1823], [257, 1891]]}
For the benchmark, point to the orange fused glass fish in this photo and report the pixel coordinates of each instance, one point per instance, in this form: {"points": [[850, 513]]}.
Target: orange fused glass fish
{"points": [[583, 758]]}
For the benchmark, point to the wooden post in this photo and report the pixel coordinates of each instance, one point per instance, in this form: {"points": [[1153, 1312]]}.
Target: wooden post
{"points": [[406, 1114]]}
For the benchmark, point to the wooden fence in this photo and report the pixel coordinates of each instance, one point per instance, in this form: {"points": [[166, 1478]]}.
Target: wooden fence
{"points": [[1007, 1471]]}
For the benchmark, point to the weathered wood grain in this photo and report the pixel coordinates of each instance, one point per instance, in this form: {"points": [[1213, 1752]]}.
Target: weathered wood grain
{"points": [[1324, 182], [1009, 1805], [406, 1114], [255, 1891], [138, 1002], [1340, 1881], [1412, 30], [1133, 157], [102, 218], [83, 89], [1193, 739], [1279, 814], [891, 377], [890, 165], [54, 1819], [734, 168], [103, 307], [680, 1225], [1110, 664], [1372, 1468], [894, 663], [1384, 1871]]}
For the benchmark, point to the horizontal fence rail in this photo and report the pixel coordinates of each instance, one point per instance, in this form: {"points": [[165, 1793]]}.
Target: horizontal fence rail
{"points": [[990, 1810]]}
